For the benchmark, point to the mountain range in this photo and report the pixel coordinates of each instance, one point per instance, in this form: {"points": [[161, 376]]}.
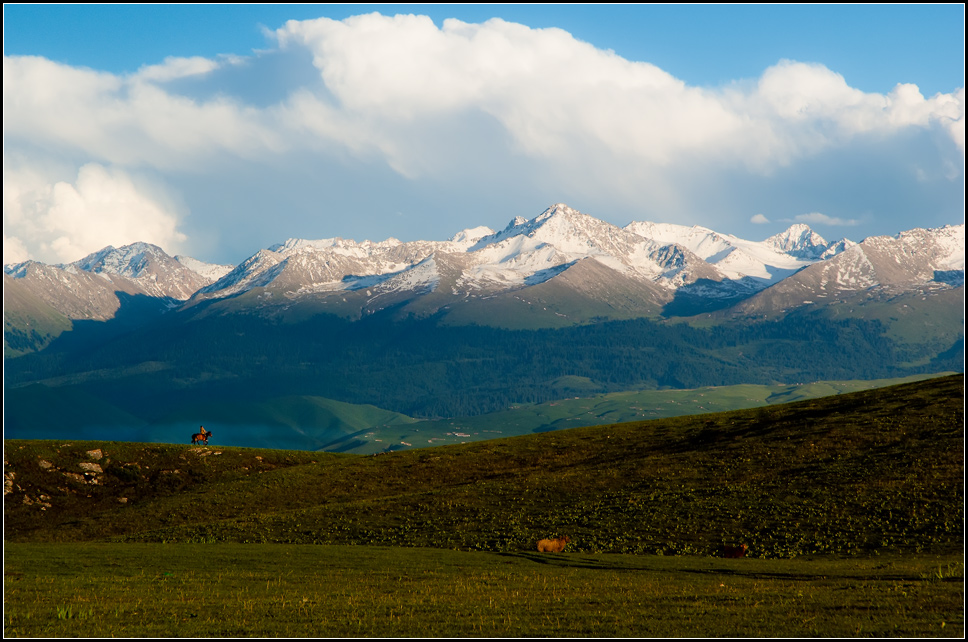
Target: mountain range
{"points": [[555, 306], [563, 267], [560, 268]]}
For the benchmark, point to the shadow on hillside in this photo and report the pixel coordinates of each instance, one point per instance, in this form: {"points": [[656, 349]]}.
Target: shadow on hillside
{"points": [[698, 565], [572, 560], [134, 311], [706, 295], [346, 442]]}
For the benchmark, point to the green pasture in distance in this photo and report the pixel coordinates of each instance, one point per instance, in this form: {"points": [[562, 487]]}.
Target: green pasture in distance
{"points": [[239, 590], [612, 408], [313, 423]]}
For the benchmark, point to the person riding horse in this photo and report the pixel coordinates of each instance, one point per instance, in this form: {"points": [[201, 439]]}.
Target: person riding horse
{"points": [[201, 436]]}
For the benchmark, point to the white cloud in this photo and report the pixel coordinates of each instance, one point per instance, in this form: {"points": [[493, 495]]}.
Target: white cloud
{"points": [[498, 107], [14, 250], [759, 219], [59, 222], [174, 68], [125, 120], [817, 218], [390, 80], [556, 95], [553, 94]]}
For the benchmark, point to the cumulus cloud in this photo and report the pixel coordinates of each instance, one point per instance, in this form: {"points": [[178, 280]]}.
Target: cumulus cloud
{"points": [[556, 95], [553, 95], [498, 107], [120, 120], [60, 222], [759, 219], [14, 250]]}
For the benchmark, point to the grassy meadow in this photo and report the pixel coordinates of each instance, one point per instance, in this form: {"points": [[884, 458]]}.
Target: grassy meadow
{"points": [[852, 507], [237, 590]]}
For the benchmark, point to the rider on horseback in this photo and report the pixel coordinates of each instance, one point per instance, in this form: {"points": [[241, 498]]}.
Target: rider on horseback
{"points": [[201, 436]]}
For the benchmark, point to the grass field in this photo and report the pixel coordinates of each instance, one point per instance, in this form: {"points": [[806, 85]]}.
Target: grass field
{"points": [[852, 507], [236, 590]]}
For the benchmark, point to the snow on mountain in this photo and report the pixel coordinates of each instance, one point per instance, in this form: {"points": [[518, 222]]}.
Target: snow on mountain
{"points": [[76, 294], [89, 288], [131, 260], [244, 276], [562, 235], [922, 260], [691, 265], [471, 235], [19, 270], [798, 241], [702, 241], [211, 271], [915, 256], [525, 253], [767, 261], [302, 267], [949, 242], [422, 276], [157, 273], [336, 245], [679, 268]]}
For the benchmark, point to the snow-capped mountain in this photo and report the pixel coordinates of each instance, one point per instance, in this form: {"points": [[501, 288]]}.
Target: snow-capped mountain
{"points": [[89, 288], [562, 265], [210, 271], [665, 261], [765, 261], [474, 263], [76, 294], [801, 242], [917, 260], [151, 268]]}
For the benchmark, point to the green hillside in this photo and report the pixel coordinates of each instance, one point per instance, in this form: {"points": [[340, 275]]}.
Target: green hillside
{"points": [[295, 422], [425, 369], [616, 407], [862, 473], [29, 324]]}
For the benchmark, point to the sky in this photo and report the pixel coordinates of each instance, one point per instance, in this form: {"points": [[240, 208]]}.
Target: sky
{"points": [[216, 130]]}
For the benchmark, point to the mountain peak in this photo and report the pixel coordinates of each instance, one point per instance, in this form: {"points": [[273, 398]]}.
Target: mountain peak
{"points": [[472, 234], [558, 209], [800, 241], [517, 221], [128, 260], [297, 244]]}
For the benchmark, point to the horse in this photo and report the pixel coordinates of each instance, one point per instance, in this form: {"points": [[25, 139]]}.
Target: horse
{"points": [[201, 437], [734, 551], [553, 545]]}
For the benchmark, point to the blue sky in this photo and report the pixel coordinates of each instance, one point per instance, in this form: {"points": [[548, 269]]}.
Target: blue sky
{"points": [[216, 130]]}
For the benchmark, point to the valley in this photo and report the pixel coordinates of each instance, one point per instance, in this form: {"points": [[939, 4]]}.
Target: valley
{"points": [[317, 343]]}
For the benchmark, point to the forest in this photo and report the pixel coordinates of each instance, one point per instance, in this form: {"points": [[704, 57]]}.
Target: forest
{"points": [[423, 368]]}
